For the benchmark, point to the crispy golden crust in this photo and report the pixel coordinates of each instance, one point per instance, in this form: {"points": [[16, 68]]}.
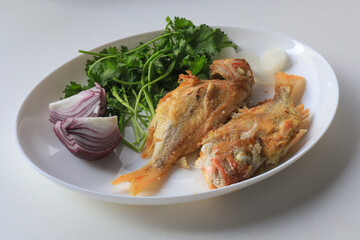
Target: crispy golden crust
{"points": [[236, 150]]}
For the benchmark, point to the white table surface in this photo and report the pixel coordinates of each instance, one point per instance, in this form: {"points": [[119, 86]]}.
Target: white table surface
{"points": [[318, 197]]}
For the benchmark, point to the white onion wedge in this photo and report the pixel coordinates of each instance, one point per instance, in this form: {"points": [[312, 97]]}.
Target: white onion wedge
{"points": [[227, 52], [273, 60], [88, 103], [89, 138]]}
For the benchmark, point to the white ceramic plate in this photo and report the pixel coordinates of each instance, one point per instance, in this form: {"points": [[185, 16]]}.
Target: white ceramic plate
{"points": [[93, 178]]}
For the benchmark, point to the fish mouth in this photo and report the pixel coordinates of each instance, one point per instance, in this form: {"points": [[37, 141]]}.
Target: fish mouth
{"points": [[221, 170]]}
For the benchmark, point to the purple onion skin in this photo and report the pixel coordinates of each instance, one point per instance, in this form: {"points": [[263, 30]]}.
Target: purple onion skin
{"points": [[93, 104], [84, 140]]}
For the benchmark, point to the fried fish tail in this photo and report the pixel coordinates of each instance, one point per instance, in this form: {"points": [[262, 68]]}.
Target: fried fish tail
{"points": [[139, 179]]}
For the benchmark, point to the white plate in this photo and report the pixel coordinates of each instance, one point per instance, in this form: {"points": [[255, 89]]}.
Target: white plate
{"points": [[47, 155]]}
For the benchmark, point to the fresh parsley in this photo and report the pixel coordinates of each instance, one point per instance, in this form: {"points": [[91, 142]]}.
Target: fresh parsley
{"points": [[135, 80]]}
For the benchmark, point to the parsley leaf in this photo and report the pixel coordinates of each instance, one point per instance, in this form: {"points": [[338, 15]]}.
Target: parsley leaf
{"points": [[72, 89]]}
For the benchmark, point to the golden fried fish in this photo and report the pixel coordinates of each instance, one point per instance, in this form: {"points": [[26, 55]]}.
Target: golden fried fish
{"points": [[185, 115], [254, 136]]}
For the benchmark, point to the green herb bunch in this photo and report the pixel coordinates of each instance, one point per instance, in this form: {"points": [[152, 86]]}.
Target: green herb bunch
{"points": [[135, 80]]}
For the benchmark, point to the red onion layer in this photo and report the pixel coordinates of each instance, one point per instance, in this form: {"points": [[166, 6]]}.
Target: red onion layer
{"points": [[88, 103], [89, 138]]}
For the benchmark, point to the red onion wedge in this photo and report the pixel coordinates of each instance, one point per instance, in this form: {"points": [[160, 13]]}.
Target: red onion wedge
{"points": [[88, 103], [89, 138]]}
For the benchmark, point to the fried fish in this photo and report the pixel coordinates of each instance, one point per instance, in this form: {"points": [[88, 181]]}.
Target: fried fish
{"points": [[185, 115], [255, 136]]}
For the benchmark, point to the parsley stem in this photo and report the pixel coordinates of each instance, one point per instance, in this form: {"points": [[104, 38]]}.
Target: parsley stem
{"points": [[137, 127], [140, 140], [136, 132], [144, 141], [129, 52], [116, 95], [154, 40], [148, 99], [130, 145], [125, 83], [142, 79], [171, 67], [124, 94], [148, 65], [125, 123], [94, 53], [96, 62], [151, 106]]}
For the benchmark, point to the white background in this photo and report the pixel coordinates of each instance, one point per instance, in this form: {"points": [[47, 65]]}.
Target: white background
{"points": [[318, 197]]}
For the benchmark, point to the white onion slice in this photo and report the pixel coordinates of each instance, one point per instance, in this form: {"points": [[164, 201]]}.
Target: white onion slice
{"points": [[273, 60], [88, 103], [227, 52], [89, 138]]}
